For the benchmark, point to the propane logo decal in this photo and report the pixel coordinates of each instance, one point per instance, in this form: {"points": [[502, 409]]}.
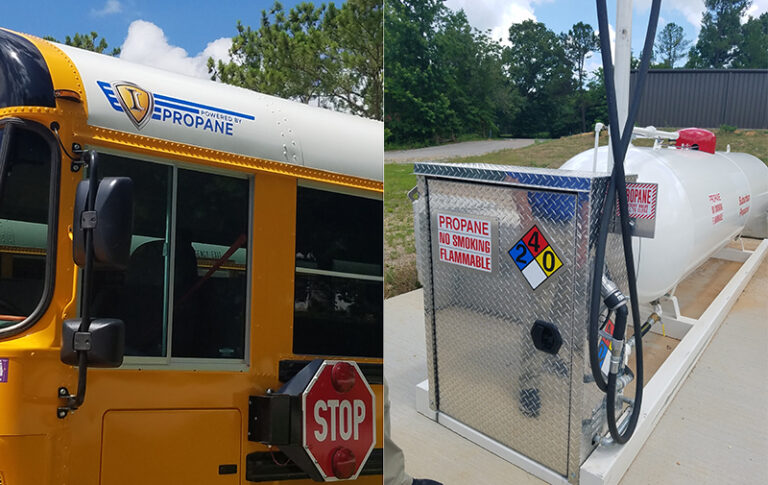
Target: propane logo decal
{"points": [[535, 258], [142, 105], [137, 103]]}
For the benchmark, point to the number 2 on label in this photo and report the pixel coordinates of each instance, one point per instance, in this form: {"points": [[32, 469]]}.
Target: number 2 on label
{"points": [[521, 256]]}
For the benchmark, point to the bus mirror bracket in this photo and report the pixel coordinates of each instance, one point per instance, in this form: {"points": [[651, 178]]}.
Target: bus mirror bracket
{"points": [[102, 231]]}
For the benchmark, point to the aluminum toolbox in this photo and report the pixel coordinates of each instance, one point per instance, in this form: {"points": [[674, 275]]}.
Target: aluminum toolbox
{"points": [[484, 234]]}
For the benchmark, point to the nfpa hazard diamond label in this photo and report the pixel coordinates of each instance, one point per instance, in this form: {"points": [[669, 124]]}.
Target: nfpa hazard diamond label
{"points": [[535, 258]]}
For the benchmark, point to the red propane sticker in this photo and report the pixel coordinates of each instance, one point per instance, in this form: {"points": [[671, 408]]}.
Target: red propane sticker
{"points": [[641, 200], [465, 241]]}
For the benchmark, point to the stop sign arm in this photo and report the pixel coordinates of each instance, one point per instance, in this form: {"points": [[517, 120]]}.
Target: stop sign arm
{"points": [[275, 419], [323, 419]]}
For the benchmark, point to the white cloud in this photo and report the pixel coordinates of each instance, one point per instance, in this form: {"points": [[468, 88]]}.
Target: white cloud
{"points": [[112, 6], [596, 60], [693, 10], [757, 8], [496, 15], [146, 44]]}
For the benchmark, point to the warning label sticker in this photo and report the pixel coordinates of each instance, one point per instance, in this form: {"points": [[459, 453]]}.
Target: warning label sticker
{"points": [[716, 203], [641, 200], [3, 370], [535, 258], [603, 348], [465, 241]]}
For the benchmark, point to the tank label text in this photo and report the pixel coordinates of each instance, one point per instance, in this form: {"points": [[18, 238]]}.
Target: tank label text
{"points": [[716, 206], [744, 204]]}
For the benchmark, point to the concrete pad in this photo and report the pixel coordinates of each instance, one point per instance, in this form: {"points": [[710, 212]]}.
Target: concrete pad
{"points": [[714, 431], [431, 450]]}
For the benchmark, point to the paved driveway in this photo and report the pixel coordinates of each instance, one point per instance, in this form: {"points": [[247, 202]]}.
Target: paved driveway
{"points": [[453, 150]]}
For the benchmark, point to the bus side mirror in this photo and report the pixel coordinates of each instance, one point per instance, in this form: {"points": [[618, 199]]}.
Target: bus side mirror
{"points": [[113, 221], [104, 342]]}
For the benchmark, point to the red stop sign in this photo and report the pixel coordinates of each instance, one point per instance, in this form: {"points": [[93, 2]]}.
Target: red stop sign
{"points": [[339, 420]]}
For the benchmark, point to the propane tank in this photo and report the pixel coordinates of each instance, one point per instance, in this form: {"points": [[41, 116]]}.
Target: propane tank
{"points": [[704, 201]]}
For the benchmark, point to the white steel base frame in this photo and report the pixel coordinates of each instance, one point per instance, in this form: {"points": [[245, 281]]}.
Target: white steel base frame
{"points": [[607, 464]]}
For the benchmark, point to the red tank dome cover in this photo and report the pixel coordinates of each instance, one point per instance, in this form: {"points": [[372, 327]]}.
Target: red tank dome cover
{"points": [[697, 139]]}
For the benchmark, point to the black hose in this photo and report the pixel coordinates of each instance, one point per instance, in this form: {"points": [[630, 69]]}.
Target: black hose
{"points": [[617, 184], [619, 152]]}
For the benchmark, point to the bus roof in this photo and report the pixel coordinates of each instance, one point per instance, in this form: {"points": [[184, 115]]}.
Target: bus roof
{"points": [[147, 101]]}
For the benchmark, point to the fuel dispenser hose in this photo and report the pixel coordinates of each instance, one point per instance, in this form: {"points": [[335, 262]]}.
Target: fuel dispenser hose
{"points": [[617, 184]]}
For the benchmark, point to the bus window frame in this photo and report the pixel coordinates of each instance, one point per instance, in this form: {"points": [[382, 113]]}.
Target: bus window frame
{"points": [[12, 124], [356, 192], [137, 362]]}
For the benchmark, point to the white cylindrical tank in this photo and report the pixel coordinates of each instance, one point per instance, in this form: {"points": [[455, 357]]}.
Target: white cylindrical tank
{"points": [[704, 201]]}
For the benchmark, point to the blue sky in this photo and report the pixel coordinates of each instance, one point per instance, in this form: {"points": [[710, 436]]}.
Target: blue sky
{"points": [[560, 15], [175, 35], [180, 36]]}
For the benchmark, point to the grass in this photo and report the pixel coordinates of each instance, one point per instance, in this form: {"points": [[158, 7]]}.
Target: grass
{"points": [[399, 250]]}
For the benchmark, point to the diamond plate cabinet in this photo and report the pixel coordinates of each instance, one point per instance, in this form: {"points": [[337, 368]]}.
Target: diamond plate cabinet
{"points": [[500, 248]]}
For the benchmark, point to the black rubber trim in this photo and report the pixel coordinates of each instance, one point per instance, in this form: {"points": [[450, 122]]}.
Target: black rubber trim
{"points": [[53, 218], [24, 76], [264, 466], [374, 373]]}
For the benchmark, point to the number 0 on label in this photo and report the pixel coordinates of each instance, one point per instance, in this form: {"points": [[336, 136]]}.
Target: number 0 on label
{"points": [[549, 261]]}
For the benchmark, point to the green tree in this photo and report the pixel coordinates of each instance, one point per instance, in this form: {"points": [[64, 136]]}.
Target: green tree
{"points": [[415, 108], [671, 45], [444, 78], [752, 52], [357, 55], [719, 35], [579, 43], [325, 54], [472, 75], [597, 104], [287, 55], [539, 71], [87, 42]]}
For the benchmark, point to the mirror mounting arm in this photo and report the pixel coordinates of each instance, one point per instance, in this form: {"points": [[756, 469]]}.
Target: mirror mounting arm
{"points": [[90, 159]]}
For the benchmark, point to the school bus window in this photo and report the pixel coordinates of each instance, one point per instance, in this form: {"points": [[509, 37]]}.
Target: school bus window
{"points": [[338, 281], [24, 223], [183, 294], [137, 295], [210, 288]]}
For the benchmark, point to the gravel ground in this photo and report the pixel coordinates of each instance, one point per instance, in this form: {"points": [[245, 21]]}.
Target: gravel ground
{"points": [[454, 150]]}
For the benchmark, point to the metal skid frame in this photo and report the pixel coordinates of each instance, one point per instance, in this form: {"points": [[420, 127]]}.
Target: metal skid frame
{"points": [[607, 464]]}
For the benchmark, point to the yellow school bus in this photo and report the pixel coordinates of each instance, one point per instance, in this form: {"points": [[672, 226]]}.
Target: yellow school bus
{"points": [[253, 256]]}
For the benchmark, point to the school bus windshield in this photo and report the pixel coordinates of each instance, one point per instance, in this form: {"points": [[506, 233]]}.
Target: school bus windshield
{"points": [[24, 216]]}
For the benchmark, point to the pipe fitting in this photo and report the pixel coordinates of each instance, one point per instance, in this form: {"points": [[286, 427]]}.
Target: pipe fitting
{"points": [[612, 296]]}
